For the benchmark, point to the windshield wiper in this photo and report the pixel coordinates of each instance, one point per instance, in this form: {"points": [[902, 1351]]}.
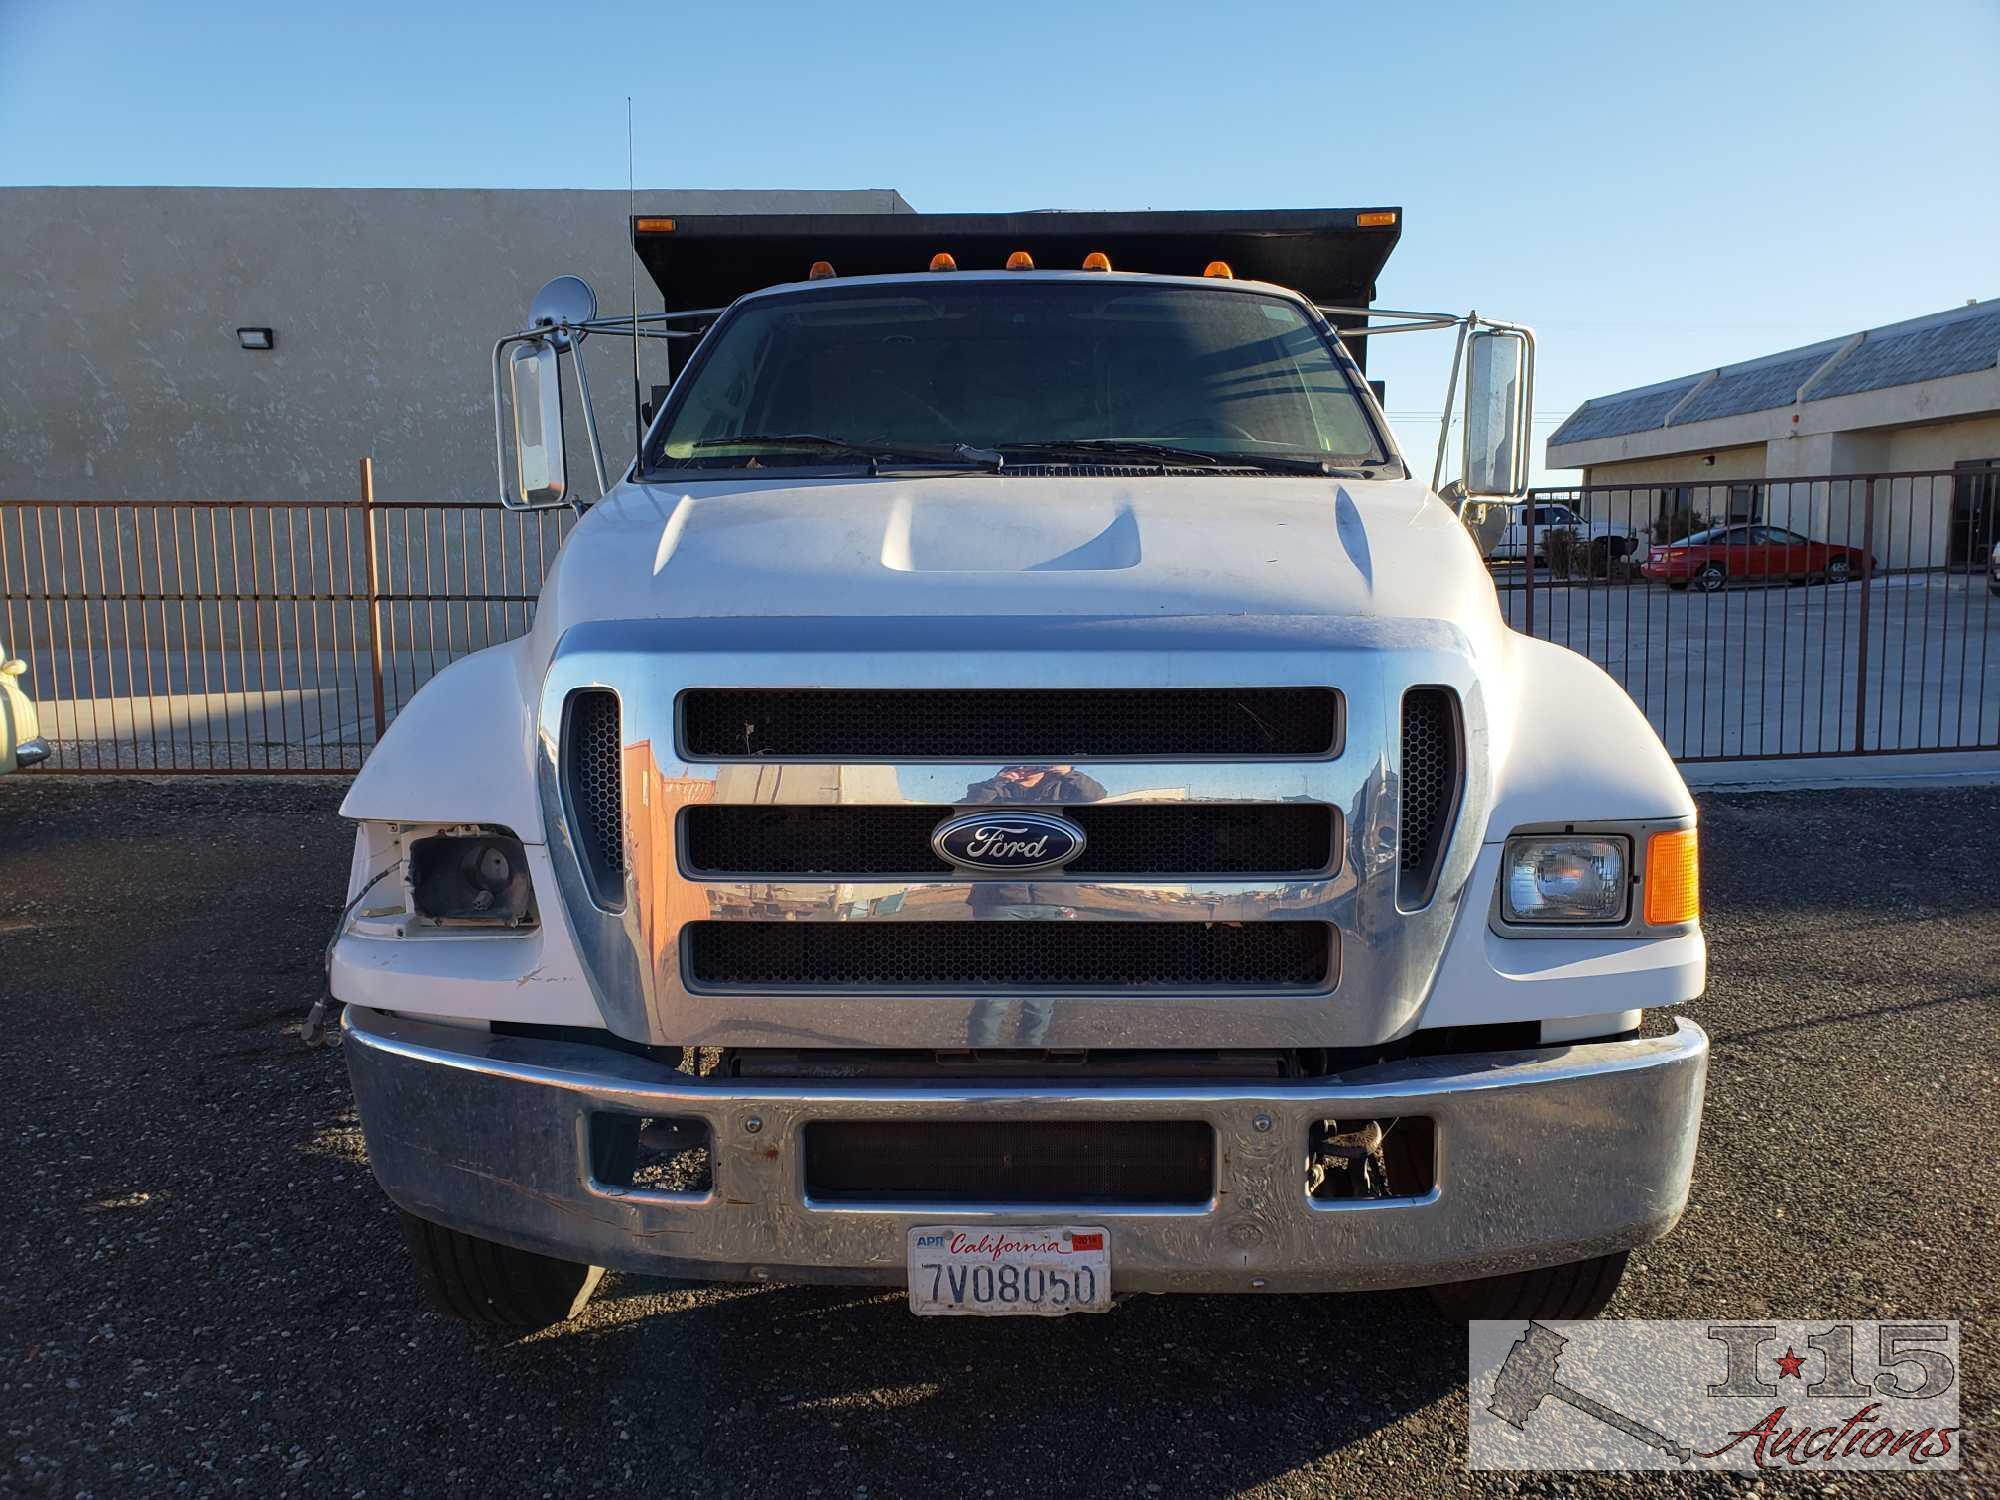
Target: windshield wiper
{"points": [[957, 455], [1097, 449]]}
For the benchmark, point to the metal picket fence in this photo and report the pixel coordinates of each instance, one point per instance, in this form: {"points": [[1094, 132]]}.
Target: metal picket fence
{"points": [[228, 636], [1777, 618], [219, 636]]}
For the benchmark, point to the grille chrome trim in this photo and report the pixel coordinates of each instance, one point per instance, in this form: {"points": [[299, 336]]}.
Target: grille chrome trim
{"points": [[634, 960]]}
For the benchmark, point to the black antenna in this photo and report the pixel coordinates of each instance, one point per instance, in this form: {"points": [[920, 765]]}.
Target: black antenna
{"points": [[631, 229]]}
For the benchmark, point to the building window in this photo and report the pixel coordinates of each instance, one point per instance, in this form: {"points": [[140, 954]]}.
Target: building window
{"points": [[1746, 503], [1975, 511]]}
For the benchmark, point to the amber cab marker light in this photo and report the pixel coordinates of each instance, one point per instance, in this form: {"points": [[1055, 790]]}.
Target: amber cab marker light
{"points": [[1375, 221], [654, 226], [1097, 260], [1219, 269], [942, 261], [821, 269], [1673, 879], [1020, 260]]}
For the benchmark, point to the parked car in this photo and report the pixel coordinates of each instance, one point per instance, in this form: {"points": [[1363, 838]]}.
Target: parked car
{"points": [[1501, 529], [21, 742], [1709, 559]]}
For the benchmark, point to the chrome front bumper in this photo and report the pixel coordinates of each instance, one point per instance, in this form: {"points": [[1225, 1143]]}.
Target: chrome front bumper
{"points": [[1542, 1157]]}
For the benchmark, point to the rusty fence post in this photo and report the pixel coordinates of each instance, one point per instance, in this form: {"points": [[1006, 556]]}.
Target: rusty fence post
{"points": [[1528, 566], [1867, 584], [368, 539]]}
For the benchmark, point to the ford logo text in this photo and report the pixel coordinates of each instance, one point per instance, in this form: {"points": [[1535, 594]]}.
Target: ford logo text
{"points": [[1007, 841]]}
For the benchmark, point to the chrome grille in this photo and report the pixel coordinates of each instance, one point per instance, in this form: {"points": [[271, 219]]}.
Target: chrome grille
{"points": [[593, 786], [1019, 724], [1430, 784], [984, 956], [847, 841]]}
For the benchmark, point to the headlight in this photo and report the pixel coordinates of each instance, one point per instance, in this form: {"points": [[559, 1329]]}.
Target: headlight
{"points": [[1565, 878]]}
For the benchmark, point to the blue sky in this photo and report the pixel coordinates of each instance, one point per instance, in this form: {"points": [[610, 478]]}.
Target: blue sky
{"points": [[1655, 191]]}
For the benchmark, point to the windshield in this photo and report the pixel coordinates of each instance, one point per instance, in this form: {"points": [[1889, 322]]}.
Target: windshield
{"points": [[1003, 368]]}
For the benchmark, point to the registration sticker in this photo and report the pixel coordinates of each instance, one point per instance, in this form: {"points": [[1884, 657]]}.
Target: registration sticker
{"points": [[1011, 1270]]}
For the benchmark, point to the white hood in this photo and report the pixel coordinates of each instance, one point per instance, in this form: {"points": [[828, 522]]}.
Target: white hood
{"points": [[958, 544]]}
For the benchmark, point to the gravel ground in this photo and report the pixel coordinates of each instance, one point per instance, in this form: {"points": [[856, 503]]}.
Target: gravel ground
{"points": [[208, 1295]]}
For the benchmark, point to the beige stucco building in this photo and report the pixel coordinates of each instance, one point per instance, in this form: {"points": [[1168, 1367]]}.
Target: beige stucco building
{"points": [[1753, 441]]}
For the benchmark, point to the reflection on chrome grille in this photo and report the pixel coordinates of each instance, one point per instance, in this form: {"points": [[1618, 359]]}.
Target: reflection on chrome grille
{"points": [[1018, 724], [591, 777], [1011, 1161], [1430, 789], [1176, 838], [990, 955]]}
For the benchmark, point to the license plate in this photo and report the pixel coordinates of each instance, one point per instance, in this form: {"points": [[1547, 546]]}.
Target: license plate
{"points": [[1019, 1270]]}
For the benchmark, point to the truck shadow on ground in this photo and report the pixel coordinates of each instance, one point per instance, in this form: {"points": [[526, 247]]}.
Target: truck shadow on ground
{"points": [[1195, 1395]]}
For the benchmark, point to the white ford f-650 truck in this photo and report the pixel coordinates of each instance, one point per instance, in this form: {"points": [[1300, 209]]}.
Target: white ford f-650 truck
{"points": [[1018, 794]]}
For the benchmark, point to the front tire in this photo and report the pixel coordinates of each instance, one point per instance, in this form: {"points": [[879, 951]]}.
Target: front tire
{"points": [[481, 1281], [1582, 1289]]}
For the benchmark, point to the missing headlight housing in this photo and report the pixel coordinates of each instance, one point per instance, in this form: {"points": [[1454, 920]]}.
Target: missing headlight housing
{"points": [[472, 879]]}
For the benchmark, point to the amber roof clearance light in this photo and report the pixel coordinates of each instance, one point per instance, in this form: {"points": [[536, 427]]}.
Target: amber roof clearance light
{"points": [[1219, 269], [943, 261], [821, 270], [1097, 260], [1020, 260]]}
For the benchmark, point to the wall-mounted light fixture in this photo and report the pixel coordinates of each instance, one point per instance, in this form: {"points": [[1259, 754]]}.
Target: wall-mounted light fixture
{"points": [[256, 338]]}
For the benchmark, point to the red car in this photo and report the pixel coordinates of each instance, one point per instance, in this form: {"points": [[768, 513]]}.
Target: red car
{"points": [[1709, 559]]}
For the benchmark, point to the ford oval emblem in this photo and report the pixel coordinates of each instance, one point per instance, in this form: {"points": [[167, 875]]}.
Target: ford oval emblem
{"points": [[1007, 841]]}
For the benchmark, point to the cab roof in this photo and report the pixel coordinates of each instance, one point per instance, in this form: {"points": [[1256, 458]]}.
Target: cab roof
{"points": [[709, 260]]}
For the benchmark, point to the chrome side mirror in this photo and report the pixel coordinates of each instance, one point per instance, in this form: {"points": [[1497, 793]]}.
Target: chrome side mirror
{"points": [[1499, 400], [540, 459]]}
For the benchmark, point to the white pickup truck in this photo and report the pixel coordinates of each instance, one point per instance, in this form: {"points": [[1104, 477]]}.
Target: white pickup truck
{"points": [[1018, 795]]}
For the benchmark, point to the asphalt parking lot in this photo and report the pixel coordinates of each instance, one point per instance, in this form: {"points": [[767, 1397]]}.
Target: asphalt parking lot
{"points": [[206, 1293]]}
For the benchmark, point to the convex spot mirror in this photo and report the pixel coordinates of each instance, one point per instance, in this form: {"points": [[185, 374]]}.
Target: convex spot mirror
{"points": [[1499, 383]]}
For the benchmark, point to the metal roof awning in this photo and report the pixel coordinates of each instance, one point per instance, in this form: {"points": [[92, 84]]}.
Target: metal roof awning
{"points": [[709, 260]]}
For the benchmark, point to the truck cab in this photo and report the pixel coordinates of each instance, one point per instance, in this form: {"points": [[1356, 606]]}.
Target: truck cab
{"points": [[1018, 795]]}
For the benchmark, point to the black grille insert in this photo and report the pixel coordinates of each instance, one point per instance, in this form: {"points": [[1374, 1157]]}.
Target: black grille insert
{"points": [[991, 955], [1178, 838], [1010, 724], [592, 783], [1431, 776], [1011, 1161]]}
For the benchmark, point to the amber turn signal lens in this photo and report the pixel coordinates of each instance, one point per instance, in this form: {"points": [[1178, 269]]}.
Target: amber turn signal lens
{"points": [[1020, 260], [653, 226], [1097, 260], [942, 261], [1673, 879], [1380, 220], [1219, 269], [821, 269]]}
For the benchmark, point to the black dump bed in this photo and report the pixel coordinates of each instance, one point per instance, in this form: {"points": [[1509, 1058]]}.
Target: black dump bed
{"points": [[709, 260]]}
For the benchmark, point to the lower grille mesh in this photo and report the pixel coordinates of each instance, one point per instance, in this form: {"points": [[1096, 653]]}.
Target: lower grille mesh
{"points": [[1285, 838], [1011, 1161], [990, 955], [1010, 724]]}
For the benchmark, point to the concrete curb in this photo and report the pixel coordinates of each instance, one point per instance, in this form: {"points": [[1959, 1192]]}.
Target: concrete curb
{"points": [[1967, 768]]}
